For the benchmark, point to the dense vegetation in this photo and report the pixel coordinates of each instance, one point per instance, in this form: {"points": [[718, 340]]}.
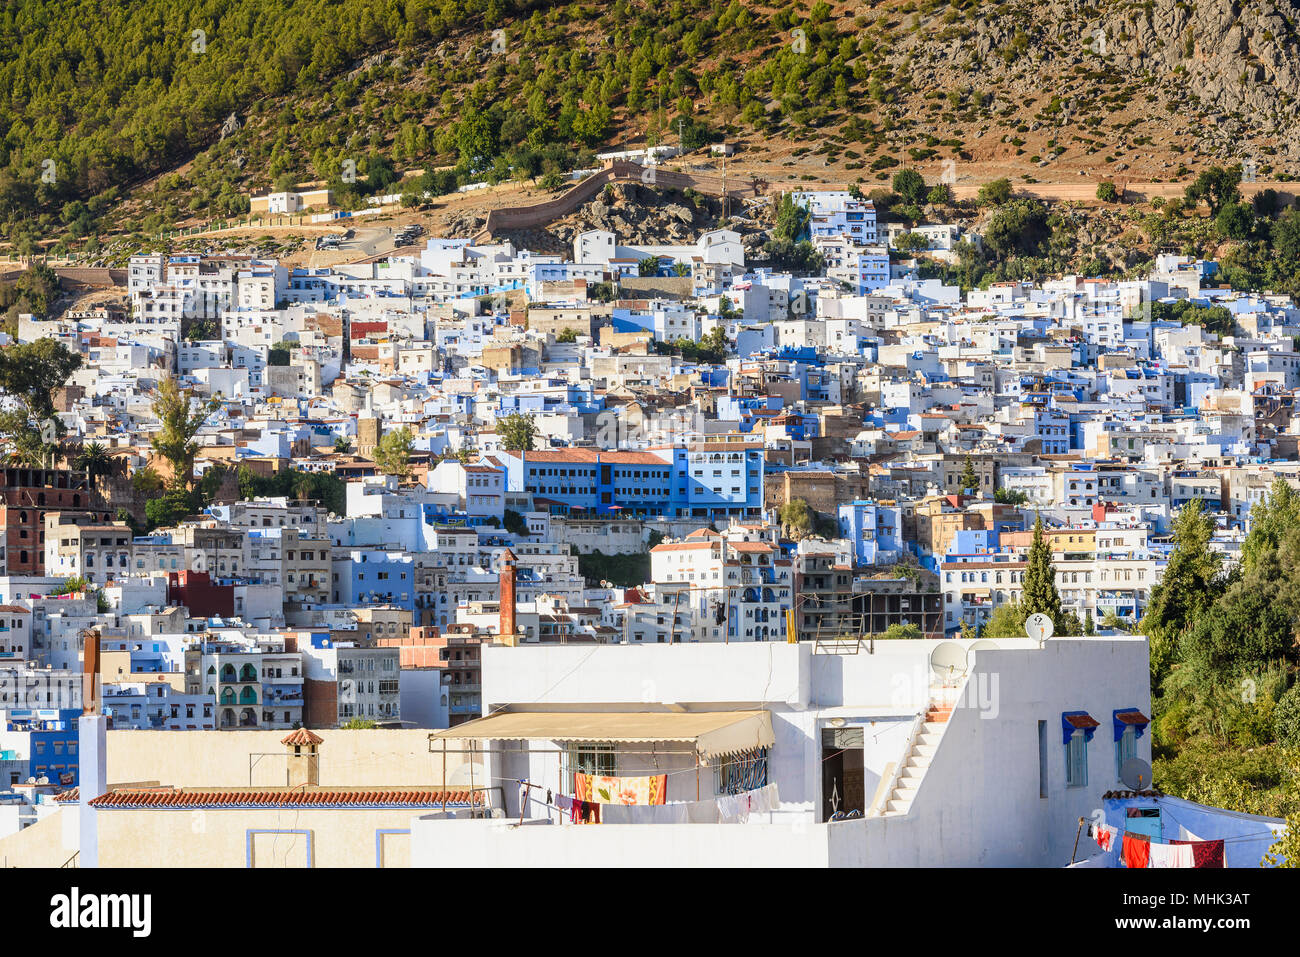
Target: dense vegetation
{"points": [[1224, 660]]}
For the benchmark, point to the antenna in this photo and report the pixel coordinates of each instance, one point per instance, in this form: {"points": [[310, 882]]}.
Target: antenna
{"points": [[1136, 774]]}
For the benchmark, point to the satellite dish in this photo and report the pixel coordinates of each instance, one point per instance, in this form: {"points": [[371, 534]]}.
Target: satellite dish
{"points": [[1136, 774], [978, 646], [1039, 627], [948, 660]]}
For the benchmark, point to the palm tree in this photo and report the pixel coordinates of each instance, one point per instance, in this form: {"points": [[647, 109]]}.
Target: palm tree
{"points": [[94, 460]]}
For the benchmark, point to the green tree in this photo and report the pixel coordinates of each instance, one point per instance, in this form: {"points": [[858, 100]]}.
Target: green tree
{"points": [[969, 481], [175, 504], [791, 219], [1019, 227], [1106, 192], [939, 195], [649, 266], [1039, 594], [1006, 621], [518, 432], [180, 416], [29, 373], [567, 335], [393, 452], [899, 632], [1010, 496], [342, 444], [1216, 187], [994, 193], [797, 518], [1271, 518], [1235, 221], [910, 185], [1188, 587], [514, 523], [94, 460]]}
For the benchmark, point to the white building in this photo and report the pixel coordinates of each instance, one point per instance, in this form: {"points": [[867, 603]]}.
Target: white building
{"points": [[872, 765]]}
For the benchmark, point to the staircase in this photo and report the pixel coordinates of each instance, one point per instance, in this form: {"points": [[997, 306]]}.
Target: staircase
{"points": [[924, 744]]}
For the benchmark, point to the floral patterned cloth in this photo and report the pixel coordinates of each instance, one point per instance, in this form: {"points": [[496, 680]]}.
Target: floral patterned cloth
{"points": [[602, 789]]}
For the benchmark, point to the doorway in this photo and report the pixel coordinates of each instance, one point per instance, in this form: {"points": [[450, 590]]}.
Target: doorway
{"points": [[843, 788]]}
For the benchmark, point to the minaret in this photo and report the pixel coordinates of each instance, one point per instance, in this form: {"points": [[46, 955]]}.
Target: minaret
{"points": [[92, 751], [506, 630]]}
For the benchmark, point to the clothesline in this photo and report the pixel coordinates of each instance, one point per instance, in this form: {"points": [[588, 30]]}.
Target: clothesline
{"points": [[1139, 851], [726, 806]]}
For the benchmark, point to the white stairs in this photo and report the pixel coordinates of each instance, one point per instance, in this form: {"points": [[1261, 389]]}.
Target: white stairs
{"points": [[918, 758]]}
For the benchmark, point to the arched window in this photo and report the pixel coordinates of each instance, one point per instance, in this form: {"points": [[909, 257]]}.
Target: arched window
{"points": [[248, 696], [227, 696], [227, 672], [248, 673]]}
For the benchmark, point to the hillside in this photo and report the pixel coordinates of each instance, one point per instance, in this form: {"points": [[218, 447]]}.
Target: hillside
{"points": [[121, 117]]}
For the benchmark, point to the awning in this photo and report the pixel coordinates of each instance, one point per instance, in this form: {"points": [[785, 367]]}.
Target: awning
{"points": [[712, 733], [1072, 721], [1126, 717]]}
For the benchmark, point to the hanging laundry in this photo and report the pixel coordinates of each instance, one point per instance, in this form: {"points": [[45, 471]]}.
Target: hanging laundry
{"points": [[1137, 851], [1105, 836], [581, 786], [1171, 855], [652, 789], [564, 802], [575, 812], [1205, 853]]}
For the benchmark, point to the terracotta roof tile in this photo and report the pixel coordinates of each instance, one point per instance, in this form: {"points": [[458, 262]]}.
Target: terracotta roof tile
{"points": [[310, 797], [302, 737], [1132, 717]]}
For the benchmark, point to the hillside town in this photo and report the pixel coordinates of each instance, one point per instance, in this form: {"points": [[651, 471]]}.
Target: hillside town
{"points": [[486, 495]]}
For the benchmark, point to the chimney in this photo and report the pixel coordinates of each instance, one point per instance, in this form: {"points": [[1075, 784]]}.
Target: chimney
{"points": [[304, 758], [506, 629]]}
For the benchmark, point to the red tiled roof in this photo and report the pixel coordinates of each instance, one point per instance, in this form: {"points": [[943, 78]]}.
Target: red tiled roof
{"points": [[172, 798], [1083, 721], [301, 737], [1132, 717]]}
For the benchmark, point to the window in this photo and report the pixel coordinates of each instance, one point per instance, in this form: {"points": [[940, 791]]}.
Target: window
{"points": [[1076, 760], [1042, 759], [589, 759], [1125, 748]]}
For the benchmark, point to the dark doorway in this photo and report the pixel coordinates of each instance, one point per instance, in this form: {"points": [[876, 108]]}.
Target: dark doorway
{"points": [[842, 772]]}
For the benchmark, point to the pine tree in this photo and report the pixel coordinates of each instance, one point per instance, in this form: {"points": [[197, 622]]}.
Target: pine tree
{"points": [[1040, 594], [969, 480]]}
